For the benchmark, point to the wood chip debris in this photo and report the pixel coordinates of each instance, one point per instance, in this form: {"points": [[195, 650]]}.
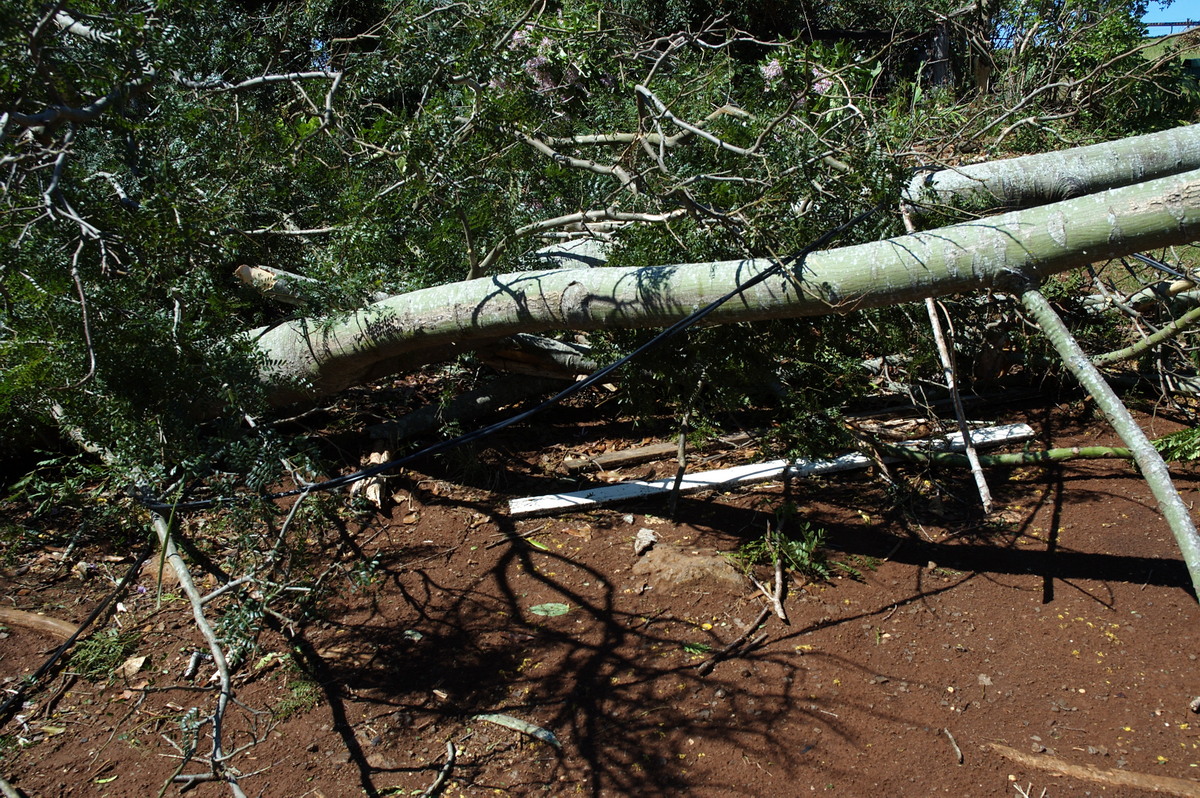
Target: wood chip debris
{"points": [[525, 727]]}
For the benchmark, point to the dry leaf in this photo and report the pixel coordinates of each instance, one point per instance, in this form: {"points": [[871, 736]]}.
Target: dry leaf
{"points": [[131, 666]]}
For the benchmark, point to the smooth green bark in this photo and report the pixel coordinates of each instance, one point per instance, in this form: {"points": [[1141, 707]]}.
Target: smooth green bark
{"points": [[1059, 455], [309, 358], [1168, 332], [1149, 461], [1053, 176]]}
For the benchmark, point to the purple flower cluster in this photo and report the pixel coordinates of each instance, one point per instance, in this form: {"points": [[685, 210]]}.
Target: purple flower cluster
{"points": [[821, 81], [520, 38], [772, 72], [539, 66]]}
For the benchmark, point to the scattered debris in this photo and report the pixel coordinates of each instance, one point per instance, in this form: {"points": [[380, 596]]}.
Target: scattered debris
{"points": [[372, 487], [130, 667], [1118, 778], [525, 727], [641, 454], [193, 665], [440, 782], [738, 646], [746, 474], [958, 754]]}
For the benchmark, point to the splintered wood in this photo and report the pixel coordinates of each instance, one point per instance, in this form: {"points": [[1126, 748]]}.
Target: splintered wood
{"points": [[726, 478]]}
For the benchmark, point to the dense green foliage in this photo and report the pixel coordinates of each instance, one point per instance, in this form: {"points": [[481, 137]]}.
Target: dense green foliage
{"points": [[380, 147]]}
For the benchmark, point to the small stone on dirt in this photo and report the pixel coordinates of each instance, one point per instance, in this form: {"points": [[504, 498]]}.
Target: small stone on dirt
{"points": [[644, 541]]}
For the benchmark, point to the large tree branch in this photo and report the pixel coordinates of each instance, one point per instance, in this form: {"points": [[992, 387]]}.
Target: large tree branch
{"points": [[1052, 176], [68, 24], [316, 357], [56, 115]]}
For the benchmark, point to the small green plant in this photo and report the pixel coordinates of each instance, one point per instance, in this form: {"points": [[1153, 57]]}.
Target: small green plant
{"points": [[801, 550], [1181, 445], [99, 656], [303, 694], [364, 573]]}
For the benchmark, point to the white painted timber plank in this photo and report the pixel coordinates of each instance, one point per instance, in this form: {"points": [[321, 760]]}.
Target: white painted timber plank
{"points": [[747, 474]]}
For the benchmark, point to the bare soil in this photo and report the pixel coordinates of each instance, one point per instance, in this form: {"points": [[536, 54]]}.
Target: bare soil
{"points": [[1061, 627]]}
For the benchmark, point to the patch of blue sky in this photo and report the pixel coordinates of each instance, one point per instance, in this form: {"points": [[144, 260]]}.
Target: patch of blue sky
{"points": [[1179, 11]]}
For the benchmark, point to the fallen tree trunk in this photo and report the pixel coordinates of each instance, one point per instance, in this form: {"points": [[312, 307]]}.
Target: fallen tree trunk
{"points": [[309, 358], [1053, 176]]}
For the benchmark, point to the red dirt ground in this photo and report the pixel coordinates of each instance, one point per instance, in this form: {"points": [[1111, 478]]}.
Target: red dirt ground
{"points": [[1061, 627]]}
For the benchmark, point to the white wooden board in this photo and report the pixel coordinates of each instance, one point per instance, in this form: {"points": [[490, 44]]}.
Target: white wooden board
{"points": [[746, 474]]}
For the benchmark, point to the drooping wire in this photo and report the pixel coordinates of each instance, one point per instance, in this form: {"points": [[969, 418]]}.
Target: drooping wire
{"points": [[790, 261], [1158, 264]]}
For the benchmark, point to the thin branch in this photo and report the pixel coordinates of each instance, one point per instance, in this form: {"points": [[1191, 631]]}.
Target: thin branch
{"points": [[582, 218], [585, 164], [664, 113], [263, 80], [44, 22], [656, 139], [1168, 332], [740, 643], [538, 6], [440, 782], [950, 375], [473, 270], [1149, 461], [271, 231], [949, 372], [87, 328], [163, 529]]}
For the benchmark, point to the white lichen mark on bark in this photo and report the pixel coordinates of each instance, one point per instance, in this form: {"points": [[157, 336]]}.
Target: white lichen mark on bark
{"points": [[1056, 227]]}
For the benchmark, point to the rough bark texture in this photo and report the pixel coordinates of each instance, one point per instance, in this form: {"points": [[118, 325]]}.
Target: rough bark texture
{"points": [[309, 358], [1053, 176]]}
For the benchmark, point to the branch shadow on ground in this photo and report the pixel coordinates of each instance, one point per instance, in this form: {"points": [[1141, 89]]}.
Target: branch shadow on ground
{"points": [[455, 638], [605, 681]]}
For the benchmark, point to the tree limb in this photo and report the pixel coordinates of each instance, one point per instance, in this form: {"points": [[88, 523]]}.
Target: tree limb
{"points": [[1168, 332], [1149, 461], [218, 758], [311, 357], [1053, 176]]}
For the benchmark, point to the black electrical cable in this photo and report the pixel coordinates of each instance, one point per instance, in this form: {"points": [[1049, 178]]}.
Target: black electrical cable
{"points": [[1158, 264], [796, 259]]}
